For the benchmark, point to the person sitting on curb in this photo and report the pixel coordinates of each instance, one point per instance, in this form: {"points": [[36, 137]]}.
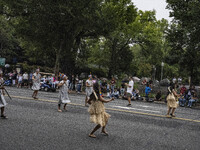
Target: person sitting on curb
{"points": [[158, 96], [192, 100], [115, 94], [182, 101]]}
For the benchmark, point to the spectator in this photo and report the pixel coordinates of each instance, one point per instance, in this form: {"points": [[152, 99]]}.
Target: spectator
{"points": [[158, 96], [14, 78], [25, 79], [193, 90], [30, 80], [20, 79], [10, 76], [122, 90], [54, 82], [192, 100], [182, 101], [174, 80], [179, 80], [144, 82], [147, 91], [104, 86], [189, 93], [183, 90], [79, 84], [108, 90], [115, 94], [112, 84]]}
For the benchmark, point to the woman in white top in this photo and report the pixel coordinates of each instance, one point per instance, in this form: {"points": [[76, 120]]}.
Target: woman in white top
{"points": [[63, 93], [36, 83]]}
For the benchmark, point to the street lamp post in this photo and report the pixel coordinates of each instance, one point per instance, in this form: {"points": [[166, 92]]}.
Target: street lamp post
{"points": [[162, 65], [154, 73]]}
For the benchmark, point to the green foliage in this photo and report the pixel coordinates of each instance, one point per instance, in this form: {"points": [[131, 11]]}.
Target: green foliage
{"points": [[105, 37], [184, 36]]}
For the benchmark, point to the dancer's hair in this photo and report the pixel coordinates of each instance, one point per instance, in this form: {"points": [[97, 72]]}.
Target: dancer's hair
{"points": [[95, 91]]}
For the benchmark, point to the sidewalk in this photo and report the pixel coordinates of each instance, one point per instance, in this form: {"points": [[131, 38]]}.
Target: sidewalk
{"points": [[156, 102]]}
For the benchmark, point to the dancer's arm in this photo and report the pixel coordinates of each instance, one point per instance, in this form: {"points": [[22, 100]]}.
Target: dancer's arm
{"points": [[174, 92], [106, 101], [61, 83], [2, 88]]}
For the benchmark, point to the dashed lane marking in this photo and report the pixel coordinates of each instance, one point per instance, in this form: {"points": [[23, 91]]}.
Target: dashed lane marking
{"points": [[113, 109], [137, 109]]}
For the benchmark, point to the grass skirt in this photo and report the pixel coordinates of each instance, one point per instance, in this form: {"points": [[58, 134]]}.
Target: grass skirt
{"points": [[97, 113]]}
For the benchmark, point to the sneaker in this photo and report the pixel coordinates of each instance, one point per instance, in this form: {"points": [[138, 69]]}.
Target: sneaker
{"points": [[4, 117], [129, 105]]}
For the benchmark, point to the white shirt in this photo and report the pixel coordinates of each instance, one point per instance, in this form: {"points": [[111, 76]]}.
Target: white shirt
{"points": [[130, 87], [90, 83], [19, 78], [174, 80], [25, 76]]}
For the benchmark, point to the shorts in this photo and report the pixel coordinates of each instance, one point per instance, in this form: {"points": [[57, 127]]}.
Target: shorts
{"points": [[129, 95], [25, 81]]}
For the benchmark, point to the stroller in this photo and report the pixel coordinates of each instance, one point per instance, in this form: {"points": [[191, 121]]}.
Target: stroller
{"points": [[8, 83]]}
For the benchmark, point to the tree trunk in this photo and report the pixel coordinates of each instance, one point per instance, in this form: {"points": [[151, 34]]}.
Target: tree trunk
{"points": [[57, 63]]}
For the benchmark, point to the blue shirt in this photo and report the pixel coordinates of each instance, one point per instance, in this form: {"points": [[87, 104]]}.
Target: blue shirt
{"points": [[147, 90]]}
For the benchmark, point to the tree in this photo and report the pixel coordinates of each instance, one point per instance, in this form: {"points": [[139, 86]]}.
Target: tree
{"points": [[54, 28], [183, 35], [9, 45]]}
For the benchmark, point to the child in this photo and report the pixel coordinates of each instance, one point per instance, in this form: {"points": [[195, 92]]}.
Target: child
{"points": [[63, 93], [147, 91]]}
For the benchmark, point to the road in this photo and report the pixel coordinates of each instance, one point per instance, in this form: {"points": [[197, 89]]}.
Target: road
{"points": [[36, 125]]}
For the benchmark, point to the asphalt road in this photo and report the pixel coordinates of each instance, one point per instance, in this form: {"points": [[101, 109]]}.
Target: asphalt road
{"points": [[36, 125]]}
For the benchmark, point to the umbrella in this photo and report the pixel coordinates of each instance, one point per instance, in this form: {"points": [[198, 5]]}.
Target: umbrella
{"points": [[136, 79]]}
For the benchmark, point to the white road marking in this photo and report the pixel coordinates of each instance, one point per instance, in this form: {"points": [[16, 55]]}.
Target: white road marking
{"points": [[137, 109], [144, 106]]}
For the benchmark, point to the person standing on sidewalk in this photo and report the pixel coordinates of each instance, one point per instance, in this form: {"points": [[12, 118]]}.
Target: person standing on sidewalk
{"points": [[89, 89], [25, 79], [20, 79], [36, 83], [112, 85], [2, 99], [129, 90], [14, 78]]}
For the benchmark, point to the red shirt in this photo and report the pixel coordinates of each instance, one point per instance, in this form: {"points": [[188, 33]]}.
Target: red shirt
{"points": [[183, 89]]}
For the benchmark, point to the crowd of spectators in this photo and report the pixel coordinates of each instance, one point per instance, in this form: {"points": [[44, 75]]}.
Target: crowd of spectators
{"points": [[109, 88]]}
